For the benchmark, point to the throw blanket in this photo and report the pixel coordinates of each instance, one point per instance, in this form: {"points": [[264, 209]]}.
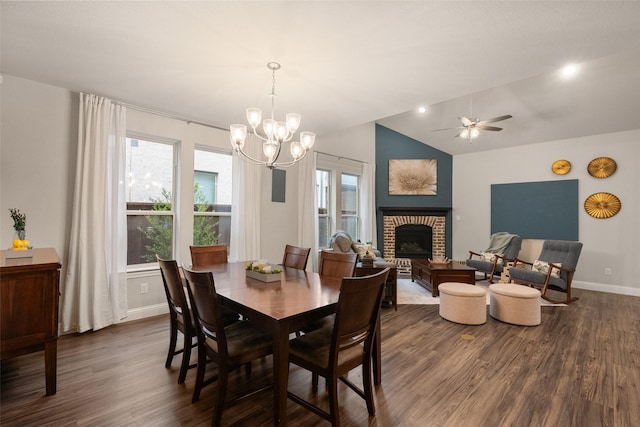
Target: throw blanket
{"points": [[499, 242]]}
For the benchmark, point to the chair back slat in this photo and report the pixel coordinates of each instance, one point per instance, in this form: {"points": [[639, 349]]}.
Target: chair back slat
{"points": [[295, 257], [206, 256], [336, 264], [206, 308]]}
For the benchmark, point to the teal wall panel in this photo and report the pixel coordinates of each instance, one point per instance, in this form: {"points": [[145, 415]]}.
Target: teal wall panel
{"points": [[536, 210]]}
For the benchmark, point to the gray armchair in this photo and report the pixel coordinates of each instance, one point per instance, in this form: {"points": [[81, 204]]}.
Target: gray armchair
{"points": [[505, 248], [554, 270]]}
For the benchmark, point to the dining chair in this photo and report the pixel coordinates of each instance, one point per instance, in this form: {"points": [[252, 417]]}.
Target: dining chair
{"points": [[332, 264], [180, 317], [295, 257], [204, 256], [230, 347], [336, 264], [331, 352]]}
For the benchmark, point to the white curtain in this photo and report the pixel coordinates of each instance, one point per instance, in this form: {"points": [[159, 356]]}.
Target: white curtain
{"points": [[94, 292], [307, 208], [368, 203], [245, 205]]}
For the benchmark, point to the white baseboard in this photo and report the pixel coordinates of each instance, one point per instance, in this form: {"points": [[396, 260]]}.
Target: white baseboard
{"points": [[144, 312], [601, 287]]}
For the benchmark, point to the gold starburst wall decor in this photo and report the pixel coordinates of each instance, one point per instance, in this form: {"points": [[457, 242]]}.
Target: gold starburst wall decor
{"points": [[413, 177], [602, 205], [602, 167]]}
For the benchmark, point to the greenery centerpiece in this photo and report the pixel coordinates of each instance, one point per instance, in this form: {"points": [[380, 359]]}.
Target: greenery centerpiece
{"points": [[263, 271], [19, 224]]}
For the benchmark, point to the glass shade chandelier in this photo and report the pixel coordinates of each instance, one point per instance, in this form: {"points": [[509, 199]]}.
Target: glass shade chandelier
{"points": [[274, 133]]}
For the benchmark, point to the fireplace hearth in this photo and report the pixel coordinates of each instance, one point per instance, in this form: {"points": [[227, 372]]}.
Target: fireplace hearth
{"points": [[412, 232]]}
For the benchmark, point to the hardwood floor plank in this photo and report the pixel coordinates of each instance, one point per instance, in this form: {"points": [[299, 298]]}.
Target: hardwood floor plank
{"points": [[580, 367]]}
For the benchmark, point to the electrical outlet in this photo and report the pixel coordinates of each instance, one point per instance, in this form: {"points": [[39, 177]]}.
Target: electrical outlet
{"points": [[144, 288], [607, 271]]}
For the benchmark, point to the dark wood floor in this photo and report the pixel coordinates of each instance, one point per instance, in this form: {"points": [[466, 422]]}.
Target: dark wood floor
{"points": [[580, 367]]}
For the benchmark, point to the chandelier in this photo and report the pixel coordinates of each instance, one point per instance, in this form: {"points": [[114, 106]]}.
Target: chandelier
{"points": [[274, 133]]}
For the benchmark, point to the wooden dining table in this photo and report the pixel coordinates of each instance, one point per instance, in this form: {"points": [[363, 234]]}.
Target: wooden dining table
{"points": [[282, 307]]}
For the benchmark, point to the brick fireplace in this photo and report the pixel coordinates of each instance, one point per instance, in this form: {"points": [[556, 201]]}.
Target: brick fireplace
{"points": [[431, 219]]}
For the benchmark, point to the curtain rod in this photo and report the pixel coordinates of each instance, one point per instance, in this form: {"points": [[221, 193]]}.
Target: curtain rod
{"points": [[168, 115], [340, 157]]}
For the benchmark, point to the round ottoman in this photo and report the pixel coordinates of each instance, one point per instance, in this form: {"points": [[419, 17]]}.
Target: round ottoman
{"points": [[463, 303], [515, 304]]}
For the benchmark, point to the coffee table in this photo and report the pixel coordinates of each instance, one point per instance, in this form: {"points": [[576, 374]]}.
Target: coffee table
{"points": [[431, 275]]}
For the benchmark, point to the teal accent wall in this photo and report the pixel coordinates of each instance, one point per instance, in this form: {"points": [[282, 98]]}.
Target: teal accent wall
{"points": [[391, 145]]}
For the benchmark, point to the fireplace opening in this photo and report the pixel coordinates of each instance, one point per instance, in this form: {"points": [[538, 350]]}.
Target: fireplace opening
{"points": [[413, 241]]}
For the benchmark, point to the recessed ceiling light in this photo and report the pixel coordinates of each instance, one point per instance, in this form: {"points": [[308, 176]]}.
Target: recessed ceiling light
{"points": [[422, 110], [569, 70]]}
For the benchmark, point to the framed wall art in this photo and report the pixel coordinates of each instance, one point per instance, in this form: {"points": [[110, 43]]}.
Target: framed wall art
{"points": [[415, 176]]}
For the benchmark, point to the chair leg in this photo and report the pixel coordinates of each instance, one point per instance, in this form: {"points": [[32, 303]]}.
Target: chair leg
{"points": [[334, 411], [223, 380], [368, 389], [202, 365], [186, 358], [172, 343]]}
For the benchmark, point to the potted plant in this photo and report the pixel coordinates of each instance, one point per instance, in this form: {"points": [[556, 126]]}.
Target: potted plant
{"points": [[19, 224]]}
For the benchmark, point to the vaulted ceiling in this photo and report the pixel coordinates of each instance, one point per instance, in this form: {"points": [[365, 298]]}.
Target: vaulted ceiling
{"points": [[346, 63]]}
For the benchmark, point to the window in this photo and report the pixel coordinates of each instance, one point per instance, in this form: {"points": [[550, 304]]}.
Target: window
{"points": [[212, 198], [338, 197], [150, 200]]}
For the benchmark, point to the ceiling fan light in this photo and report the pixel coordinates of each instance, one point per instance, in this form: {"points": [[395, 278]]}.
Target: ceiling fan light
{"points": [[465, 133], [474, 133]]}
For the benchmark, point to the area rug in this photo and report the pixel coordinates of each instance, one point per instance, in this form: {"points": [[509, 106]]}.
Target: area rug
{"points": [[412, 293]]}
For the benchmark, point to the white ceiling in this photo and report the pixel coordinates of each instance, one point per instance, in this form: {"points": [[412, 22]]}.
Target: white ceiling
{"points": [[346, 63]]}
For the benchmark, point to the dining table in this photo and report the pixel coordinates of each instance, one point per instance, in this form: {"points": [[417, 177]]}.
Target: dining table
{"points": [[282, 307]]}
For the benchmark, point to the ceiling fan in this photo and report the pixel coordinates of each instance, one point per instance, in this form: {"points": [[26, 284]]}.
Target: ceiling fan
{"points": [[471, 127]]}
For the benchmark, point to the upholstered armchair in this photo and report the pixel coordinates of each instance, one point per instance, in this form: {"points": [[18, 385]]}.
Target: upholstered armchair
{"points": [[553, 269], [503, 248]]}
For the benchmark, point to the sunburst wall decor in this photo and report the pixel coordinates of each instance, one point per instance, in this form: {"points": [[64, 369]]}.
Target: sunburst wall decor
{"points": [[602, 205], [602, 167]]}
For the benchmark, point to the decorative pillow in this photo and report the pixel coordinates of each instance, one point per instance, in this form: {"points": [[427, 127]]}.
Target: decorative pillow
{"points": [[488, 256], [363, 250], [341, 242], [543, 267]]}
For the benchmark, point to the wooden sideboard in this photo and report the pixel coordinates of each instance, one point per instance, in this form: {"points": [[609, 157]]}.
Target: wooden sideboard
{"points": [[29, 295]]}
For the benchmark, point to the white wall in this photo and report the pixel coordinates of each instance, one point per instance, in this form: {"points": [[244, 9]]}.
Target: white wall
{"points": [[38, 141], [612, 242]]}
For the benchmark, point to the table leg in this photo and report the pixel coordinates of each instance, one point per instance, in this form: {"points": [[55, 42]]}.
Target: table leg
{"points": [[280, 373], [50, 366]]}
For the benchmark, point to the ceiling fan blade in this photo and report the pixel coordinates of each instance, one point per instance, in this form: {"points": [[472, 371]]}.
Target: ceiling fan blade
{"points": [[459, 127], [496, 119], [485, 127]]}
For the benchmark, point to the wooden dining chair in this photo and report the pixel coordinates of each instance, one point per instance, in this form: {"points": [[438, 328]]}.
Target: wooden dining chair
{"points": [[180, 318], [229, 347], [295, 257], [205, 256], [332, 352], [332, 264], [337, 264]]}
